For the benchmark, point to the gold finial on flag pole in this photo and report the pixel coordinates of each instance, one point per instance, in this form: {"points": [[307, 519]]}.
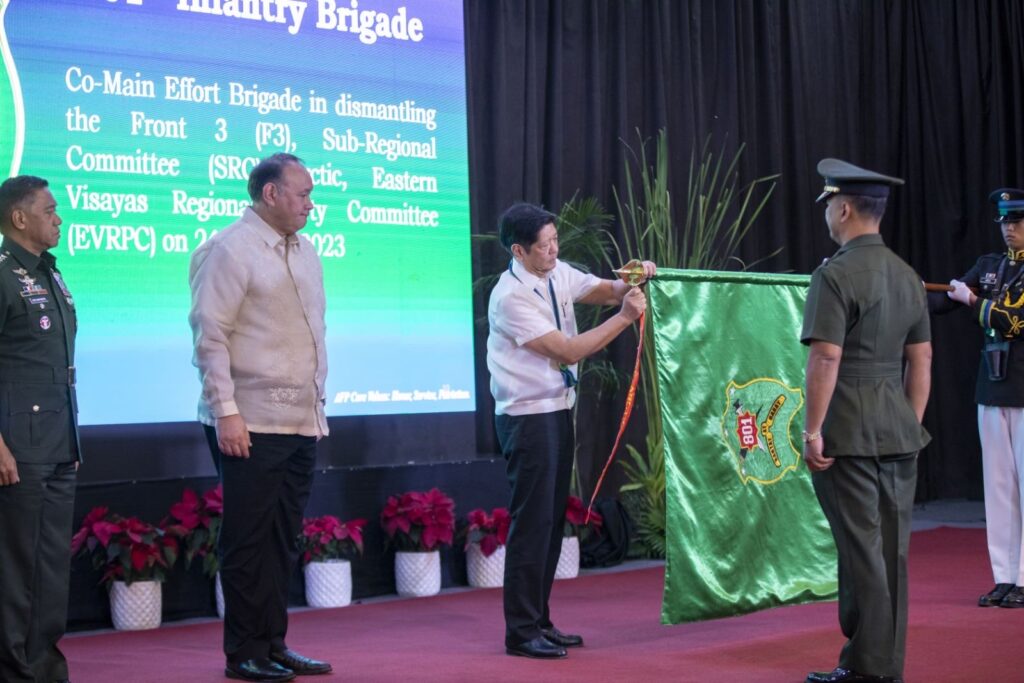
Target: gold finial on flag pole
{"points": [[632, 273]]}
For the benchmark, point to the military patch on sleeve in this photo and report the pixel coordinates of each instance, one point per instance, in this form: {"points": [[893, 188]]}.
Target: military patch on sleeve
{"points": [[756, 426]]}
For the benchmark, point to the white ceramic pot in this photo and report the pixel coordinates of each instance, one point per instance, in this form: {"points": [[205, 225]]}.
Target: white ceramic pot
{"points": [[485, 572], [218, 595], [418, 575], [136, 606], [569, 559], [329, 583]]}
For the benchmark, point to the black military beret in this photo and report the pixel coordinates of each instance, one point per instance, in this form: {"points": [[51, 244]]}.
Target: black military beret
{"points": [[842, 177], [1010, 204]]}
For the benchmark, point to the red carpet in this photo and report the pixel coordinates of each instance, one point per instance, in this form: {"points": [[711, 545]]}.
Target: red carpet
{"points": [[458, 637]]}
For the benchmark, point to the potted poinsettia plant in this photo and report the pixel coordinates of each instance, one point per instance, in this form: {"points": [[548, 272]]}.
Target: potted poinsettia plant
{"points": [[328, 545], [135, 557], [576, 525], [485, 547], [195, 520], [418, 523]]}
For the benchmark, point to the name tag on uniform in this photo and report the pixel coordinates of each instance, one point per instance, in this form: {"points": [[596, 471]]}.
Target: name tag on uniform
{"points": [[63, 288], [988, 279]]}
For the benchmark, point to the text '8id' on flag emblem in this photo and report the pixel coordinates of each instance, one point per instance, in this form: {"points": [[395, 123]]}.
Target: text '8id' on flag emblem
{"points": [[756, 427]]}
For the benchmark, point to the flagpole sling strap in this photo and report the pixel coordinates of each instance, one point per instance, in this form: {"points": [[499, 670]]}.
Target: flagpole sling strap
{"points": [[633, 275], [627, 411]]}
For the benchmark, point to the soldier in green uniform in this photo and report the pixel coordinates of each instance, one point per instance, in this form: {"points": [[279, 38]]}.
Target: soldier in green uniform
{"points": [[868, 378], [39, 450]]}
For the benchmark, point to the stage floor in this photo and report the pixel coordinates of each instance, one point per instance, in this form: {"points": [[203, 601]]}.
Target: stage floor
{"points": [[457, 636]]}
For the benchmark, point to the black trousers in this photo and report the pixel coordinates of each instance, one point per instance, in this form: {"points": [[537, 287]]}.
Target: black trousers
{"points": [[265, 496], [538, 450], [868, 503], [35, 559]]}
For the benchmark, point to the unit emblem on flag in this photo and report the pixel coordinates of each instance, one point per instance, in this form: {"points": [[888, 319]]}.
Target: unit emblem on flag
{"points": [[756, 427]]}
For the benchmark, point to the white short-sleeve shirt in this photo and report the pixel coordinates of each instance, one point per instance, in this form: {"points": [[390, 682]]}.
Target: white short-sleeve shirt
{"points": [[524, 382]]}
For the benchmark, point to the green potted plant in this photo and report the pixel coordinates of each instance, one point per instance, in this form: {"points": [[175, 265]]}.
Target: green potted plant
{"points": [[328, 546], [134, 557], [418, 524], [703, 231]]}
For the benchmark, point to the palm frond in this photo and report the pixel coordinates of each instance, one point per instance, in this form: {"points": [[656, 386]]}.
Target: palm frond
{"points": [[717, 216]]}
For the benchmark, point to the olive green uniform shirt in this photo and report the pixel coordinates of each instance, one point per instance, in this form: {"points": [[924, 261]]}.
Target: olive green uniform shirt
{"points": [[38, 407], [868, 301]]}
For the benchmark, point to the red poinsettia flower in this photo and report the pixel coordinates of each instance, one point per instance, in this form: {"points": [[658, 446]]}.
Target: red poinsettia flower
{"points": [[196, 521], [328, 538], [135, 529], [576, 515], [104, 531], [126, 548], [187, 510], [394, 518], [213, 500], [141, 555], [502, 521], [490, 531], [86, 533], [419, 521]]}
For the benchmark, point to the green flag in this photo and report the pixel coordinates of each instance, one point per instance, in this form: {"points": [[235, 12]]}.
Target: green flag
{"points": [[745, 531]]}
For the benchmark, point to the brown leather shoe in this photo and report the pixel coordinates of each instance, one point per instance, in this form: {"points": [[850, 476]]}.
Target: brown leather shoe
{"points": [[302, 666], [995, 596]]}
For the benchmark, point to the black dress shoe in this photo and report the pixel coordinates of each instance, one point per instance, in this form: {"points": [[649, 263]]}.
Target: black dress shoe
{"points": [[302, 666], [563, 639], [841, 675], [995, 596], [538, 648], [1015, 598], [258, 670]]}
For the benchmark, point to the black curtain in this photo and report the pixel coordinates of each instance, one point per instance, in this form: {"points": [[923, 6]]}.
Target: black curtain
{"points": [[929, 91]]}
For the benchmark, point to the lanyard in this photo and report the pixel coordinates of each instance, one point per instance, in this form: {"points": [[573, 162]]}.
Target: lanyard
{"points": [[567, 376], [551, 290]]}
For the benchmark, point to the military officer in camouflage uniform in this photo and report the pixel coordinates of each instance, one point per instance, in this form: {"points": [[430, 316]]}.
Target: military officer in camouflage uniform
{"points": [[868, 378], [998, 307], [39, 450]]}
